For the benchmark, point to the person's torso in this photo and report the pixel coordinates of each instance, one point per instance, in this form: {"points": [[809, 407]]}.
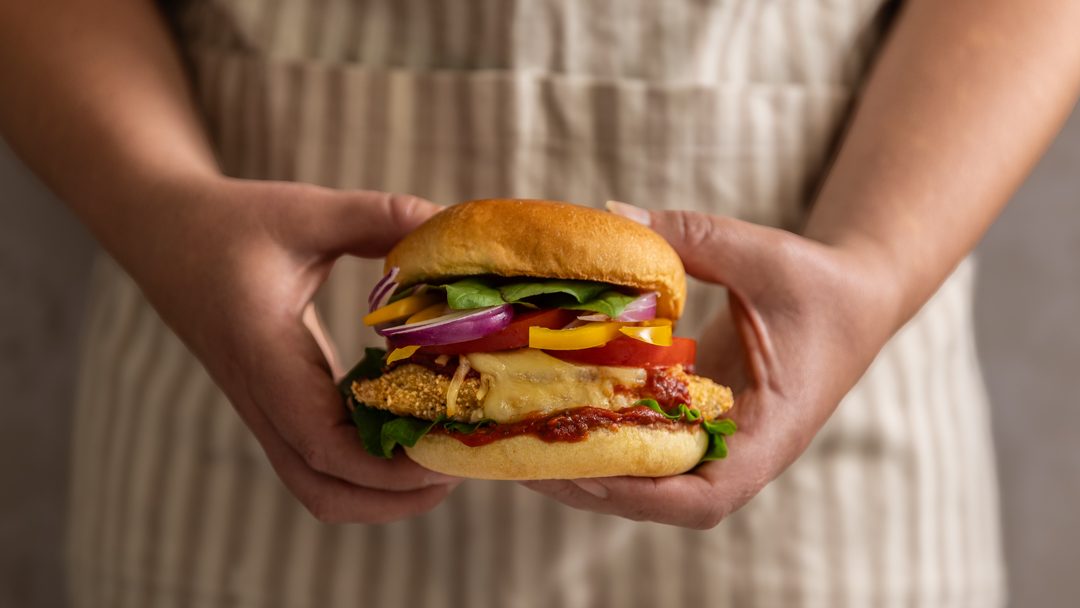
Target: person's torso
{"points": [[726, 106]]}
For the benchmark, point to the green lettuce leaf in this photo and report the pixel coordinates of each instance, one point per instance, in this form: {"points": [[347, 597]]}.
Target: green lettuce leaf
{"points": [[682, 411], [403, 430], [369, 424], [466, 428], [717, 430], [478, 292], [610, 303], [382, 431], [471, 293], [580, 291]]}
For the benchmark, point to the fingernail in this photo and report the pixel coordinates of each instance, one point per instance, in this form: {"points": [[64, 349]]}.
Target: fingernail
{"points": [[592, 486], [630, 212]]}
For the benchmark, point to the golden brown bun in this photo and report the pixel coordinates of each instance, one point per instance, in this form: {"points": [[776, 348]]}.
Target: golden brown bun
{"points": [[532, 238], [631, 450]]}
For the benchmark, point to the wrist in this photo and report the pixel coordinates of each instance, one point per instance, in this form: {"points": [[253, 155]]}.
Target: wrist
{"points": [[126, 203], [144, 220], [882, 282]]}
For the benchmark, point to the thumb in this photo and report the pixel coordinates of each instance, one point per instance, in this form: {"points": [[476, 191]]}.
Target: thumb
{"points": [[731, 252], [713, 248], [364, 223]]}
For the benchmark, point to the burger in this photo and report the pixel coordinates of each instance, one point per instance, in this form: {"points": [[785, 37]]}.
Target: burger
{"points": [[533, 340]]}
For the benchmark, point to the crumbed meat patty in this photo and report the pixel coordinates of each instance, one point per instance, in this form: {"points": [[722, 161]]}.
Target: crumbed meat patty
{"points": [[414, 390]]}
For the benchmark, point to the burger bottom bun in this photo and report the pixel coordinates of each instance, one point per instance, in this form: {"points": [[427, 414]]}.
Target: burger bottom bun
{"points": [[632, 450]]}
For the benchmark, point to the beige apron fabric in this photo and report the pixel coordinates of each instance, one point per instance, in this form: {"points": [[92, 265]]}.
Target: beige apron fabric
{"points": [[726, 106]]}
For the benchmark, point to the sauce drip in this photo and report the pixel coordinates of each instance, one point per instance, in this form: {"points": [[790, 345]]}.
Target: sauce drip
{"points": [[668, 390]]}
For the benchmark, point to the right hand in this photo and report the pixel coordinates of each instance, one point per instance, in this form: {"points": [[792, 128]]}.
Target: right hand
{"points": [[231, 266], [805, 320]]}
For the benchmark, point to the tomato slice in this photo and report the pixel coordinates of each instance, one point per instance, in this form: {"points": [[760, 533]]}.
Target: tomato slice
{"points": [[515, 335], [628, 352]]}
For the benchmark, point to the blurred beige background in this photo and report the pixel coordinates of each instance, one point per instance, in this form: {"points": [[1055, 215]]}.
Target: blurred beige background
{"points": [[1028, 315]]}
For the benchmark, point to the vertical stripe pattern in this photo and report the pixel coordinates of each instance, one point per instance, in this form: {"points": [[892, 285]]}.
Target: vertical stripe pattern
{"points": [[727, 106]]}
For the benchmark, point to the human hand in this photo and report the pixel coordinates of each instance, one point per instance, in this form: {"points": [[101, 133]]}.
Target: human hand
{"points": [[804, 322], [231, 266]]}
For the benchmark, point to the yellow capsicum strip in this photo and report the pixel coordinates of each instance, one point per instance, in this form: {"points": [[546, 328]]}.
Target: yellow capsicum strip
{"points": [[401, 353], [435, 310], [576, 338], [403, 308], [658, 335]]}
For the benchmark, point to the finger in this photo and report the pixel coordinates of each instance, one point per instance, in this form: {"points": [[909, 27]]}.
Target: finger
{"points": [[699, 499], [734, 253], [362, 223], [332, 500], [688, 501], [768, 440], [713, 248], [292, 385], [314, 323]]}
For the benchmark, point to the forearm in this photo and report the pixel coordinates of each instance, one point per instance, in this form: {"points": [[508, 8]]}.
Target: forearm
{"points": [[961, 103], [96, 103]]}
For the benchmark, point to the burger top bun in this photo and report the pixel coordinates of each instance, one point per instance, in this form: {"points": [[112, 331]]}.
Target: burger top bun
{"points": [[547, 239]]}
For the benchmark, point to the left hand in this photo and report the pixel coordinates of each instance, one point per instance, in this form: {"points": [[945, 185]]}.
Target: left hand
{"points": [[232, 265], [805, 321]]}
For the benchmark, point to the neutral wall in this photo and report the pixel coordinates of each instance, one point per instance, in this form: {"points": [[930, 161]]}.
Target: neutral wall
{"points": [[1028, 318], [1028, 315], [44, 262]]}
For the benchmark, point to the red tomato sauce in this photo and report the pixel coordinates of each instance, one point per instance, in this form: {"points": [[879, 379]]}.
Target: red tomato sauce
{"points": [[668, 390], [568, 425]]}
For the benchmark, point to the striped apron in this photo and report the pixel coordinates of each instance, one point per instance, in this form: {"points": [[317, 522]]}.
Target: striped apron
{"points": [[727, 106]]}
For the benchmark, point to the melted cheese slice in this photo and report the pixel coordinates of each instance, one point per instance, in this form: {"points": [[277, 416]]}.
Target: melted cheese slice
{"points": [[520, 382]]}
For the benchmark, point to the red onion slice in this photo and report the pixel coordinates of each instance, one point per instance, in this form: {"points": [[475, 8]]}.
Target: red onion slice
{"points": [[641, 309], [384, 298], [382, 291], [596, 316], [386, 278], [460, 326]]}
